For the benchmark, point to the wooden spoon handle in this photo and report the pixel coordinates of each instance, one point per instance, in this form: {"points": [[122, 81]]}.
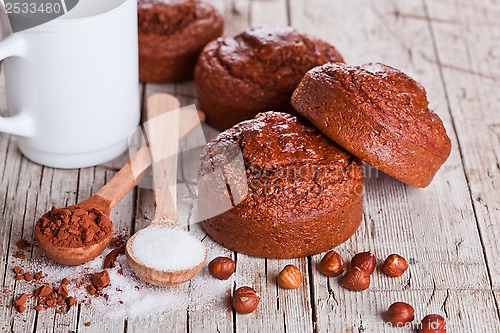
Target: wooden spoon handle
{"points": [[132, 172], [127, 178], [163, 139]]}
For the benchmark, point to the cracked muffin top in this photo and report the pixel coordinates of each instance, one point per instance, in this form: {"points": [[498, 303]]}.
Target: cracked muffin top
{"points": [[278, 57], [275, 187], [286, 165], [180, 22], [256, 71], [379, 114]]}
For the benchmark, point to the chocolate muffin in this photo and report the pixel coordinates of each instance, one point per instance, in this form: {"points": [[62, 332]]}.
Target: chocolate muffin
{"points": [[275, 187], [256, 71], [172, 34], [379, 114]]}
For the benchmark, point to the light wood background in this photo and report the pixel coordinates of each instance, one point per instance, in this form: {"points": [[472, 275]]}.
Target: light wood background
{"points": [[449, 231]]}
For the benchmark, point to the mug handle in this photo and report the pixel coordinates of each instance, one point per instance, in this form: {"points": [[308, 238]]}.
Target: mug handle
{"points": [[20, 124]]}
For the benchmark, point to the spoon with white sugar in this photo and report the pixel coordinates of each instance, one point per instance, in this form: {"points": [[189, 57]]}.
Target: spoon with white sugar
{"points": [[163, 253]]}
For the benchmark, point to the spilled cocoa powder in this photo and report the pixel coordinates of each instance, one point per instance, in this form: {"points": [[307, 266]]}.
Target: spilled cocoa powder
{"points": [[44, 296], [19, 255], [23, 244], [22, 275], [100, 280], [74, 227], [109, 261]]}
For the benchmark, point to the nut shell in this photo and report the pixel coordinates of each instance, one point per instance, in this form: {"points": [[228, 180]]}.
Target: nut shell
{"points": [[332, 264], [394, 265], [399, 314], [355, 279], [365, 260], [245, 300], [433, 323], [222, 268], [290, 277]]}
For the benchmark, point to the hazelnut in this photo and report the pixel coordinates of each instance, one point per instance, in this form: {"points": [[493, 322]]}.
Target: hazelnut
{"points": [[433, 323], [355, 279], [222, 268], [394, 265], [365, 260], [332, 264], [399, 314], [245, 300], [290, 277]]}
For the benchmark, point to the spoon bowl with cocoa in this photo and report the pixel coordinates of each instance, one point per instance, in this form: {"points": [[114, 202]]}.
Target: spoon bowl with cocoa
{"points": [[77, 234]]}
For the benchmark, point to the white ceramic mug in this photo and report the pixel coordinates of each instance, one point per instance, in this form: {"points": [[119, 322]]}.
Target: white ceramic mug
{"points": [[72, 84]]}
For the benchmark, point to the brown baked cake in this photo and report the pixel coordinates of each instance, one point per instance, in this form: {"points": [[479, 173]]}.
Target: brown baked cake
{"points": [[172, 34], [289, 190], [379, 114], [255, 71]]}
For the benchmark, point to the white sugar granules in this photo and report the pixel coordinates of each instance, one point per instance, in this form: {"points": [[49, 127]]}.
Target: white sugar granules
{"points": [[129, 297], [167, 248]]}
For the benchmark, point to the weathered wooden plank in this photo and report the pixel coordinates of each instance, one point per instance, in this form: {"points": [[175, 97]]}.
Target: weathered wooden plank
{"points": [[395, 213], [8, 152], [280, 310], [90, 180], [434, 227], [236, 16], [56, 187], [32, 189], [84, 183], [349, 311], [19, 212], [269, 13], [175, 319], [466, 36], [123, 215], [208, 312], [448, 274]]}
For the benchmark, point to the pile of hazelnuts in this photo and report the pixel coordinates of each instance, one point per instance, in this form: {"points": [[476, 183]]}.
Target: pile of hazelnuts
{"points": [[357, 278]]}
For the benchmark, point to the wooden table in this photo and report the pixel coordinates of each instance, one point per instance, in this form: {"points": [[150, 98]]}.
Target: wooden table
{"points": [[449, 231]]}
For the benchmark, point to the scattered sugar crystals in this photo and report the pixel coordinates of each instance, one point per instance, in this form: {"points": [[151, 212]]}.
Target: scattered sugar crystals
{"points": [[167, 248], [127, 296]]}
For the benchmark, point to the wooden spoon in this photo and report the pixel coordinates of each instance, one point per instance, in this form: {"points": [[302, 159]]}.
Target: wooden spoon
{"points": [[165, 223], [106, 198]]}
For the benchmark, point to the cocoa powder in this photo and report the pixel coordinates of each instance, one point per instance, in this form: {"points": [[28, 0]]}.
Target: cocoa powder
{"points": [[19, 255], [100, 280], [109, 261], [44, 296], [23, 244], [21, 300], [43, 291], [74, 227]]}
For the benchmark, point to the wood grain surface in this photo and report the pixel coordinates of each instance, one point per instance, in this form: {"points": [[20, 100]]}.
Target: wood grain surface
{"points": [[449, 231]]}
